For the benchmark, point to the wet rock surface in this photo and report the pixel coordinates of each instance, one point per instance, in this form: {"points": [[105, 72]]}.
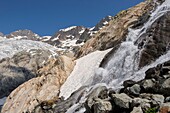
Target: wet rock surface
{"points": [[155, 46]]}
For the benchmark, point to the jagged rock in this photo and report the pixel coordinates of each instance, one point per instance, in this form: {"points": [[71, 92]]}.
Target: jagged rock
{"points": [[143, 103], [102, 23], [137, 110], [165, 108], [116, 30], [135, 89], [46, 87], [167, 99], [153, 72], [156, 99], [99, 92], [122, 100], [148, 84], [102, 106], [23, 34], [128, 83], [166, 87], [60, 106]]}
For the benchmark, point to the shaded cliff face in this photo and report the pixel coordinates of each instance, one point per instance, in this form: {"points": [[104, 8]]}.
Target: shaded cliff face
{"points": [[158, 43], [116, 30], [20, 68], [43, 88]]}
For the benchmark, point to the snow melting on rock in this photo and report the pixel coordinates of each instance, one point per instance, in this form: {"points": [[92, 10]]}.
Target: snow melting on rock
{"points": [[83, 72], [45, 38], [67, 29]]}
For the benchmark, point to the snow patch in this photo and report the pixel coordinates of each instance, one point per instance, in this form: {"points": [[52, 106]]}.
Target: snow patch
{"points": [[106, 22], [57, 38], [46, 38], [82, 31], [68, 29], [83, 72]]}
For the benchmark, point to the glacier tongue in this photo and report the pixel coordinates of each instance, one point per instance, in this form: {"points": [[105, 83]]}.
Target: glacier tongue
{"points": [[9, 47]]}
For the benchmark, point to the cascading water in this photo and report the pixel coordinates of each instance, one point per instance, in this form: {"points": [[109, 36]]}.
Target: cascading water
{"points": [[123, 65]]}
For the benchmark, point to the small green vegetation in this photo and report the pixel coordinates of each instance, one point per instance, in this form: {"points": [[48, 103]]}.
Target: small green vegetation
{"points": [[151, 110]]}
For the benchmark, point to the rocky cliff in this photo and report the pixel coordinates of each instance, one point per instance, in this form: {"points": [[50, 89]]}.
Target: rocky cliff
{"points": [[42, 88], [116, 30], [130, 77]]}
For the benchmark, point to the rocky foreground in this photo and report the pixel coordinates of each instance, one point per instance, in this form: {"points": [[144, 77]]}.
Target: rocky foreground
{"points": [[122, 65]]}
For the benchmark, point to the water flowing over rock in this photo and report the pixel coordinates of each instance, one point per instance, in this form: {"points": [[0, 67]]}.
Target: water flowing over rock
{"points": [[116, 30], [132, 77], [125, 62]]}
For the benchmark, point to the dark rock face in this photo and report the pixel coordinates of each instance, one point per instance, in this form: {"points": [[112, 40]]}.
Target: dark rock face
{"points": [[25, 34], [20, 68], [158, 43], [102, 23], [85, 36], [72, 33]]}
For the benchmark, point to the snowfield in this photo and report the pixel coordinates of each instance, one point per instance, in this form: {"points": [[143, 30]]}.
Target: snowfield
{"points": [[83, 72]]}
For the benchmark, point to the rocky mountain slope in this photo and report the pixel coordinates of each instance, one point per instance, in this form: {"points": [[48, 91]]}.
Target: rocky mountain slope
{"points": [[67, 40], [22, 54], [117, 29], [122, 68]]}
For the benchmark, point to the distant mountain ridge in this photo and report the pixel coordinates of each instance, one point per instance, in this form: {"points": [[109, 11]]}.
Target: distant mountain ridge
{"points": [[68, 39]]}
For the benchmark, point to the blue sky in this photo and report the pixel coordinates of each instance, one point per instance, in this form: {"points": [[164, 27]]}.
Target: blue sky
{"points": [[45, 17]]}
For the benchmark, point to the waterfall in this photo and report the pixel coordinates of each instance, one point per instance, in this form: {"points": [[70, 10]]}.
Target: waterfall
{"points": [[123, 64]]}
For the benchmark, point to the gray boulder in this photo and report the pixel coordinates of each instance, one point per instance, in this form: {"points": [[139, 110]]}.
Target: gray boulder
{"points": [[135, 89], [137, 110], [166, 87], [102, 106], [122, 100]]}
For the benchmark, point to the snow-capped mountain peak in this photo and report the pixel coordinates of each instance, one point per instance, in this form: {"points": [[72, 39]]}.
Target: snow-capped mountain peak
{"points": [[68, 29]]}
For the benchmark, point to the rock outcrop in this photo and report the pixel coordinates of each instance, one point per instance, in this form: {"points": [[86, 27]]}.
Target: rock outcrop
{"points": [[20, 68], [103, 100], [158, 43], [43, 88], [23, 34], [116, 30]]}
